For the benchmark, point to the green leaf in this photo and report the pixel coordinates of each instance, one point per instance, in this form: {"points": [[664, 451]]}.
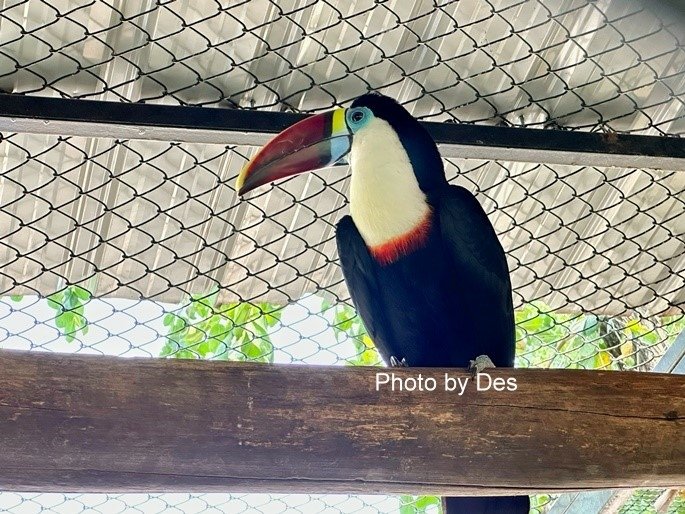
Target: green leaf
{"points": [[168, 349], [206, 348], [81, 293], [55, 303], [418, 504], [68, 305], [261, 331], [603, 360], [236, 330], [217, 329], [325, 305], [251, 351]]}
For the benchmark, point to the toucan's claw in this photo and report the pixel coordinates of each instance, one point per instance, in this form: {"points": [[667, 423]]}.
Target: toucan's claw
{"points": [[479, 364], [397, 363]]}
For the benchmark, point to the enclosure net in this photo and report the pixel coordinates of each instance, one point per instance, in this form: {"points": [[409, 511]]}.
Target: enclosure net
{"points": [[141, 248]]}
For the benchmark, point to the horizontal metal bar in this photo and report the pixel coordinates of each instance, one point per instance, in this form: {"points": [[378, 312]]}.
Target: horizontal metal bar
{"points": [[91, 118]]}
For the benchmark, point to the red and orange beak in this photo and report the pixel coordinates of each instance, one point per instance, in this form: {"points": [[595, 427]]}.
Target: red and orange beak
{"points": [[311, 144]]}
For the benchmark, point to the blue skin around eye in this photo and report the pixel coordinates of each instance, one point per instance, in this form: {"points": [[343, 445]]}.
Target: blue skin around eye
{"points": [[356, 125]]}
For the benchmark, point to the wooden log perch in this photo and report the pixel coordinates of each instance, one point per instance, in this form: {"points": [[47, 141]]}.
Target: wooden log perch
{"points": [[85, 423]]}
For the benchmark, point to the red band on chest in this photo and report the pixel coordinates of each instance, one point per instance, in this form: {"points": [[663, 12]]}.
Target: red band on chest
{"points": [[404, 244]]}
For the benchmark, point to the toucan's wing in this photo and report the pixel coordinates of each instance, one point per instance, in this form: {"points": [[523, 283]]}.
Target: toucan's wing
{"points": [[360, 272], [471, 239], [480, 263]]}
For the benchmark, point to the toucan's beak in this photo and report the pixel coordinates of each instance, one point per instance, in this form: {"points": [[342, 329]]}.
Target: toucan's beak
{"points": [[311, 144]]}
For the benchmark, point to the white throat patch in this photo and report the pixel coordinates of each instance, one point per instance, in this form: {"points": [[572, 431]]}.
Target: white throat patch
{"points": [[386, 201]]}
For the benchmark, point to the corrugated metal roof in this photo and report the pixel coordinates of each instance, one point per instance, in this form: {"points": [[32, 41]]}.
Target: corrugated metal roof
{"points": [[162, 219]]}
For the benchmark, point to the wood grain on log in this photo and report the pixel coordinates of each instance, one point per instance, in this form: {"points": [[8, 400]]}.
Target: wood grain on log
{"points": [[89, 423]]}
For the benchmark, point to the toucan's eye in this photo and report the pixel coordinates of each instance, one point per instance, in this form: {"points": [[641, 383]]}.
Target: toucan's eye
{"points": [[357, 116]]}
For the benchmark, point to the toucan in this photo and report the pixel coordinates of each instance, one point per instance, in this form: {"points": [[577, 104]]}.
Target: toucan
{"points": [[421, 260]]}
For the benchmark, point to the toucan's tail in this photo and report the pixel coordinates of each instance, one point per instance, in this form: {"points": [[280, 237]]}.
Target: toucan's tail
{"points": [[487, 505]]}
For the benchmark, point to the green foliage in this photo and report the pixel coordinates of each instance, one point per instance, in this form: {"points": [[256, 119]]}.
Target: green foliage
{"points": [[678, 506], [539, 503], [641, 502], [419, 504], [546, 339], [348, 325], [553, 340], [16, 297], [68, 305], [232, 331]]}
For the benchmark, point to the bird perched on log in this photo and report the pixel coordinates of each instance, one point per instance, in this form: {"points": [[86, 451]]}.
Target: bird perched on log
{"points": [[422, 262]]}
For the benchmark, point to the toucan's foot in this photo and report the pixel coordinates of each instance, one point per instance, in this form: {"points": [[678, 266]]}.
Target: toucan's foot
{"points": [[479, 364], [398, 364]]}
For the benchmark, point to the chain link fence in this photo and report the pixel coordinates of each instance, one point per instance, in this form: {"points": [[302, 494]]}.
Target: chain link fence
{"points": [[140, 248]]}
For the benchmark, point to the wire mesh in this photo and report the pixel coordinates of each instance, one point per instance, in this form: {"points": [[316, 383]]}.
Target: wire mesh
{"points": [[140, 248]]}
